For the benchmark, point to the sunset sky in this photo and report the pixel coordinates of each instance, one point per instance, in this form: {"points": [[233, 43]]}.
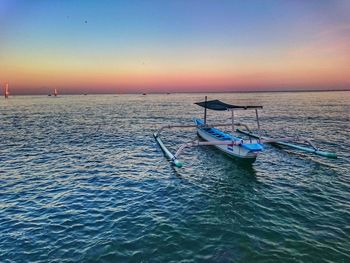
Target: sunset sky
{"points": [[167, 46]]}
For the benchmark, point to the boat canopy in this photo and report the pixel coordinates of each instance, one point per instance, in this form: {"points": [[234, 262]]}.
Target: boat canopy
{"points": [[221, 106]]}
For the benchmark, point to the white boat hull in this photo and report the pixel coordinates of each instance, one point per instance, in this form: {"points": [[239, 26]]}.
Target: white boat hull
{"points": [[234, 151]]}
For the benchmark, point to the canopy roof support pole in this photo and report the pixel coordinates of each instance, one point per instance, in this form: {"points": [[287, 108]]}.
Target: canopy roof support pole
{"points": [[257, 121], [233, 124], [205, 111]]}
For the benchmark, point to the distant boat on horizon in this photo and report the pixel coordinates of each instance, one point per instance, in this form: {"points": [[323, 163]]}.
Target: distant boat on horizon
{"points": [[55, 93], [6, 92], [144, 94]]}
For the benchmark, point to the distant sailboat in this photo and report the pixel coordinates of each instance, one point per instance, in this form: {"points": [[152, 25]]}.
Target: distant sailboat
{"points": [[55, 93], [7, 92]]}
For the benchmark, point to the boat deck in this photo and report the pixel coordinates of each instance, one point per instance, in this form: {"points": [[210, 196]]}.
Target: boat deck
{"points": [[251, 145], [218, 134]]}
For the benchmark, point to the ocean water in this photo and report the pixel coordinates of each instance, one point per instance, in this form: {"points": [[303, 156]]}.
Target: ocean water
{"points": [[83, 180]]}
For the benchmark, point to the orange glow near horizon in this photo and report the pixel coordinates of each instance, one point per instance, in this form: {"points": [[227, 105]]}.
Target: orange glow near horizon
{"points": [[269, 73]]}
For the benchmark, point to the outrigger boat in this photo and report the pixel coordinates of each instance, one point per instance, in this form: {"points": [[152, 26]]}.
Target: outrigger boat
{"points": [[234, 145]]}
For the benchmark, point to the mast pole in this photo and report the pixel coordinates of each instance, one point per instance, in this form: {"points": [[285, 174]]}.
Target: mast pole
{"points": [[205, 111]]}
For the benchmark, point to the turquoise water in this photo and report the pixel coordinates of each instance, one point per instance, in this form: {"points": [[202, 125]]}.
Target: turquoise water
{"points": [[82, 179]]}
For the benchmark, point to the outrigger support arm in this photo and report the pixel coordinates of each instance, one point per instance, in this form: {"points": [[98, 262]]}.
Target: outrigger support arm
{"points": [[200, 126], [204, 143], [283, 141], [288, 141], [231, 143]]}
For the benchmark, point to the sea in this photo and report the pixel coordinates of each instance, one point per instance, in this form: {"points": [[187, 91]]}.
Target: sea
{"points": [[82, 179]]}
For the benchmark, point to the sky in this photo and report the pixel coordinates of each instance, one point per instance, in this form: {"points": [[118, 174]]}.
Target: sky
{"points": [[174, 46]]}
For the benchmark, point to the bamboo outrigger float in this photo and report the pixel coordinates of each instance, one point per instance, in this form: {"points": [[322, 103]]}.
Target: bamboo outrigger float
{"points": [[232, 144]]}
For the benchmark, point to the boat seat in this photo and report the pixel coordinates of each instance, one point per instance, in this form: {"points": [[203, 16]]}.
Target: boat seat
{"points": [[254, 147]]}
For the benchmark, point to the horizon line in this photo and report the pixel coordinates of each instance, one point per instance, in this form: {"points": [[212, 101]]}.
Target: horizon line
{"points": [[183, 92]]}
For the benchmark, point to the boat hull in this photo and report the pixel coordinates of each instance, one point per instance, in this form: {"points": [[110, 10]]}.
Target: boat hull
{"points": [[233, 151]]}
